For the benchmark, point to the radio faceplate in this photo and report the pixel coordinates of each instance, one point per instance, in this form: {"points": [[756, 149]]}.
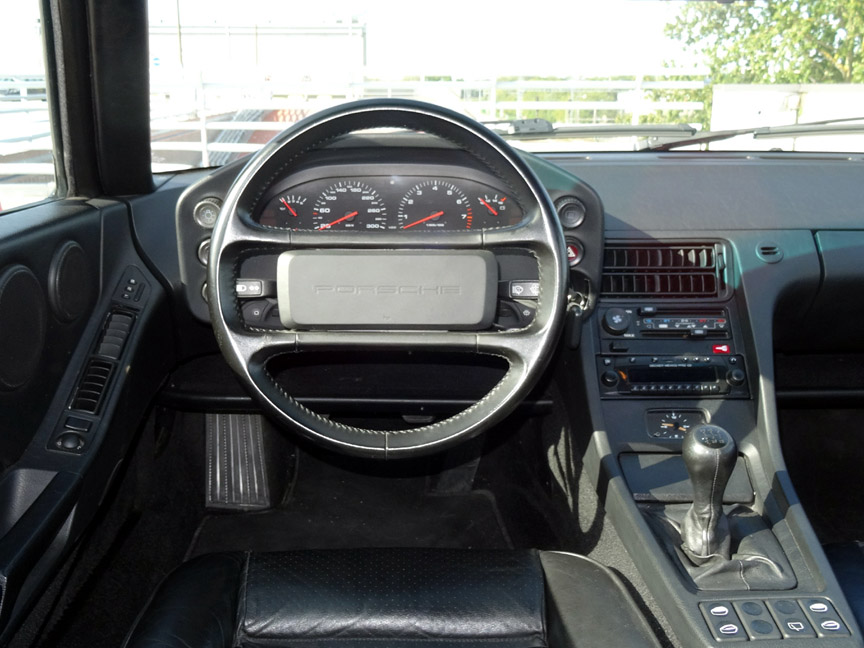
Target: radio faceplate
{"points": [[684, 376]]}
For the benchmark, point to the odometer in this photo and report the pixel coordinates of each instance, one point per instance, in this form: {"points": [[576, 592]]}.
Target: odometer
{"points": [[349, 205]]}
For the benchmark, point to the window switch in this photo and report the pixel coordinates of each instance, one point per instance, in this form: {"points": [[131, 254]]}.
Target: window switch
{"points": [[77, 424]]}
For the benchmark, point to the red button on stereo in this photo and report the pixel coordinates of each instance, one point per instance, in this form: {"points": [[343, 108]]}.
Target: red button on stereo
{"points": [[721, 349]]}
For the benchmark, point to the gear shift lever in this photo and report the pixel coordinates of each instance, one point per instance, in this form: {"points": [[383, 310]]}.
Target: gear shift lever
{"points": [[709, 454]]}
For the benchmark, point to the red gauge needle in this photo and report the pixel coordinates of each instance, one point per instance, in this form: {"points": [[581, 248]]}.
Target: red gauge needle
{"points": [[338, 220], [489, 207], [423, 220], [290, 209]]}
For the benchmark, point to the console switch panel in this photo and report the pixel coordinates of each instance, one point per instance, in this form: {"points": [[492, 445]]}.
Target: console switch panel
{"points": [[791, 620], [723, 621], [757, 620], [788, 618], [824, 617]]}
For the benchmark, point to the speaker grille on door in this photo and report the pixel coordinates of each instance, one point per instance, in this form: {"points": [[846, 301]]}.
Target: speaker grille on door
{"points": [[22, 326], [71, 285]]}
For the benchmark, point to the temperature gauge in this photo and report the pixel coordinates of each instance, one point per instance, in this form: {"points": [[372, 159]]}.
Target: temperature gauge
{"points": [[493, 207]]}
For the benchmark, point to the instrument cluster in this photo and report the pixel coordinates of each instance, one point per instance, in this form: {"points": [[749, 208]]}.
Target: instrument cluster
{"points": [[420, 203]]}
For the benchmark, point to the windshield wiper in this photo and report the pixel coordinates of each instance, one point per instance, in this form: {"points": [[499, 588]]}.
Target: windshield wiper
{"points": [[825, 127], [543, 129]]}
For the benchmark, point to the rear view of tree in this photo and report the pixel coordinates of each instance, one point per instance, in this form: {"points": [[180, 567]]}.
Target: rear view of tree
{"points": [[776, 41]]}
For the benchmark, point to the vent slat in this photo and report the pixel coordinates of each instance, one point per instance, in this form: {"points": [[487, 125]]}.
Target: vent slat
{"points": [[662, 270], [91, 387]]}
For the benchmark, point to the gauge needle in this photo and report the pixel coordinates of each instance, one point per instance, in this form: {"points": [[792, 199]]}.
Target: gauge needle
{"points": [[290, 209], [423, 220], [489, 207], [338, 220]]}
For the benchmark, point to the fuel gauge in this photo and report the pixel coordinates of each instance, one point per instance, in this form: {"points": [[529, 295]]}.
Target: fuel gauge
{"points": [[285, 210]]}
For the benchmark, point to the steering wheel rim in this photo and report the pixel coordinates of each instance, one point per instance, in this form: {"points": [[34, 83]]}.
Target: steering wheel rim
{"points": [[248, 350]]}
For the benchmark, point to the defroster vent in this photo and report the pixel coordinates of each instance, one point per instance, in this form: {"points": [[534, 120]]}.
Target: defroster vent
{"points": [[663, 270]]}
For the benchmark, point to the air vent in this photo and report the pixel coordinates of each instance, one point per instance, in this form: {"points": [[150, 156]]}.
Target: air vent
{"points": [[91, 388], [663, 270], [769, 252]]}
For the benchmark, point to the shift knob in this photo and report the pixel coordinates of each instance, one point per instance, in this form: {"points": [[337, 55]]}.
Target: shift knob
{"points": [[709, 453]]}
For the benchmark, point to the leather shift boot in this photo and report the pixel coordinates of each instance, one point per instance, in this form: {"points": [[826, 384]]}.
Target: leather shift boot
{"points": [[704, 535], [753, 560]]}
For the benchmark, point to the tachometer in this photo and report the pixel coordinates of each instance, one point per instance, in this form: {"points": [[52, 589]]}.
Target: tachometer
{"points": [[349, 205], [435, 204]]}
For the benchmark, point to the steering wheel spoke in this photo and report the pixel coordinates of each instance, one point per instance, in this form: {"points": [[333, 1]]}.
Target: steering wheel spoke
{"points": [[512, 345], [529, 234], [239, 233], [255, 347], [386, 341]]}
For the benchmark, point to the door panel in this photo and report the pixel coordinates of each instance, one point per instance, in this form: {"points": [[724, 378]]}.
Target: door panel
{"points": [[50, 278], [74, 294]]}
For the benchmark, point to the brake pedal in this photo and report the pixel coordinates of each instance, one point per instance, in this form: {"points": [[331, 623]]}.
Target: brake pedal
{"points": [[236, 476]]}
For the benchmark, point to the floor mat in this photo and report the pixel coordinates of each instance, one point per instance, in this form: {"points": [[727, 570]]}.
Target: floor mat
{"points": [[332, 505]]}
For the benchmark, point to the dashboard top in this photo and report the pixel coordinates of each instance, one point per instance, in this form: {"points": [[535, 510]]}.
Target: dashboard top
{"points": [[722, 191]]}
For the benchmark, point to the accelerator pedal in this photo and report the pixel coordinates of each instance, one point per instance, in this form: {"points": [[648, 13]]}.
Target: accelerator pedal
{"points": [[236, 477]]}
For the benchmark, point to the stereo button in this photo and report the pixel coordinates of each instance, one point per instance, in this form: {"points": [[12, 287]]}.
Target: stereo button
{"points": [[609, 378], [736, 377]]}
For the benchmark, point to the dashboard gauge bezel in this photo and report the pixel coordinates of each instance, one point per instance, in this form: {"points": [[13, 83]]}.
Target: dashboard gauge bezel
{"points": [[354, 216], [438, 213], [392, 181]]}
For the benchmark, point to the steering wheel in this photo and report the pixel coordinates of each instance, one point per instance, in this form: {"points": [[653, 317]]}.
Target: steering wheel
{"points": [[248, 350]]}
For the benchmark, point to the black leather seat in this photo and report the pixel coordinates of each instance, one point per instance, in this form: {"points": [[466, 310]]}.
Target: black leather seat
{"points": [[426, 598]]}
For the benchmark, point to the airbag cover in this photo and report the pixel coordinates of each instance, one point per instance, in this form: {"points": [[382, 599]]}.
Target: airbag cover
{"points": [[387, 289]]}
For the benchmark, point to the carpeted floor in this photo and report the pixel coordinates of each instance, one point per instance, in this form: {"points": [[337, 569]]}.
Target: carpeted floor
{"points": [[337, 506]]}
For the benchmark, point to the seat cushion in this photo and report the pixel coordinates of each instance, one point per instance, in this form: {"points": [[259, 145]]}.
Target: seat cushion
{"points": [[434, 598]]}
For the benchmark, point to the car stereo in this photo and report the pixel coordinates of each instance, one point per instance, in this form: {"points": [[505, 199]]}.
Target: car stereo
{"points": [[678, 375]]}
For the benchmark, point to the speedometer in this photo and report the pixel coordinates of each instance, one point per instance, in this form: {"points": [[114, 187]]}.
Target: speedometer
{"points": [[349, 205], [435, 204]]}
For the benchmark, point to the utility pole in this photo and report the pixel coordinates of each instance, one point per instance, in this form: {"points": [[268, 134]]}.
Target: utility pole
{"points": [[179, 33]]}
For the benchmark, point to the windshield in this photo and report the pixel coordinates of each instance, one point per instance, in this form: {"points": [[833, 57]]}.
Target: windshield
{"points": [[617, 75]]}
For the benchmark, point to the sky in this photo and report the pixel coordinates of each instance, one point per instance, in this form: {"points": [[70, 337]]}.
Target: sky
{"points": [[20, 38], [573, 38], [472, 38]]}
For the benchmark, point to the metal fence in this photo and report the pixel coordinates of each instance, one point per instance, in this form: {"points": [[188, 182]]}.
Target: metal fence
{"points": [[210, 123]]}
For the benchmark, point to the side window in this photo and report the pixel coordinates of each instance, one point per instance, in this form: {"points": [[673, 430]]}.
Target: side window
{"points": [[26, 151]]}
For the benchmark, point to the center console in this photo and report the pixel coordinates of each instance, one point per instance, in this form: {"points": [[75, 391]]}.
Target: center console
{"points": [[676, 363]]}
